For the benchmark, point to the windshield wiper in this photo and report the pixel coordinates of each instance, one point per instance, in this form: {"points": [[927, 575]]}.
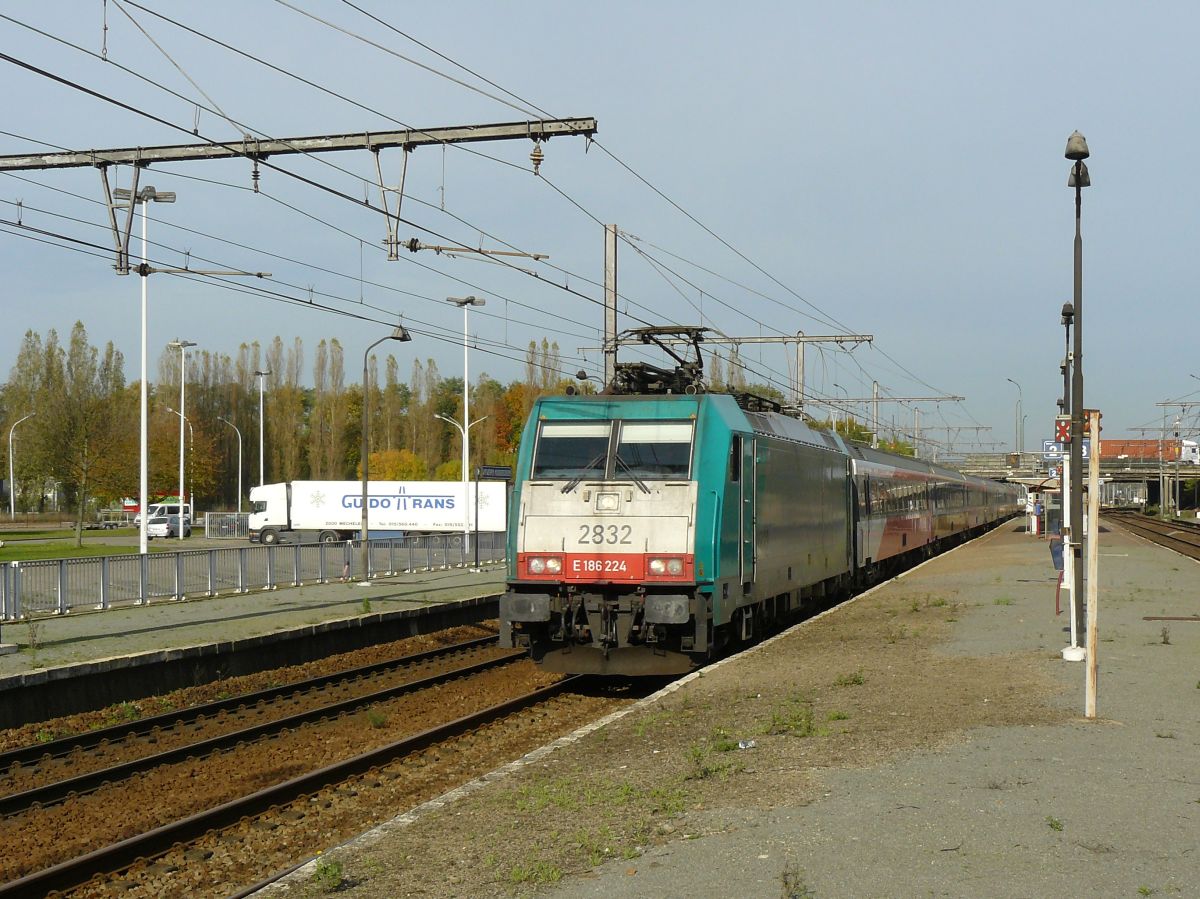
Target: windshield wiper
{"points": [[574, 482], [641, 484]]}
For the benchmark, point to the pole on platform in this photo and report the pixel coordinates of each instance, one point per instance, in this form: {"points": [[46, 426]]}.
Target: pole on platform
{"points": [[1093, 567]]}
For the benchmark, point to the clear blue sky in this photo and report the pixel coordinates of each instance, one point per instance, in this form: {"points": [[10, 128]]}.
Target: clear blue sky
{"points": [[891, 169]]}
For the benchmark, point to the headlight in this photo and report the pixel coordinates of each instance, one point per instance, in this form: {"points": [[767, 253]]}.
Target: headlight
{"points": [[661, 567], [544, 565]]}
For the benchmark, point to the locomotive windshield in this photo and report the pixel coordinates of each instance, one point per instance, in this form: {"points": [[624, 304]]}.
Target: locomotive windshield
{"points": [[659, 450], [579, 450], [572, 449]]}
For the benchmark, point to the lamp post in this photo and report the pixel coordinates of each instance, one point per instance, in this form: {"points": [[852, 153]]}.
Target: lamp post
{"points": [[191, 456], [182, 346], [1018, 437], [238, 431], [464, 303], [1077, 152], [145, 196], [364, 552], [466, 492], [261, 422], [845, 412], [12, 493]]}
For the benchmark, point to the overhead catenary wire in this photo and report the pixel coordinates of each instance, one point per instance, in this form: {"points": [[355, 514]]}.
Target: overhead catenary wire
{"points": [[593, 300]]}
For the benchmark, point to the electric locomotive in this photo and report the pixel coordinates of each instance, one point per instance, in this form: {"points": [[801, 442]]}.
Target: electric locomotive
{"points": [[649, 530]]}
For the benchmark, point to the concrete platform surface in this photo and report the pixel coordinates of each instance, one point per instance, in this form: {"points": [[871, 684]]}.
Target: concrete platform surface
{"points": [[80, 638]]}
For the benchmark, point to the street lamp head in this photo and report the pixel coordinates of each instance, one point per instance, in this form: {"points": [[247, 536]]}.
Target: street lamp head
{"points": [[1077, 148], [401, 333], [262, 374], [1084, 179], [181, 344], [1068, 314], [467, 301]]}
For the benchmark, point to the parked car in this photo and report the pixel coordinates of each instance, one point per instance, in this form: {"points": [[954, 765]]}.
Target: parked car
{"points": [[157, 509], [166, 526]]}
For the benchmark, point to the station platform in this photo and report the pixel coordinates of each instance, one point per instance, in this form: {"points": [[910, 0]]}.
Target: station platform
{"points": [[73, 662], [959, 764]]}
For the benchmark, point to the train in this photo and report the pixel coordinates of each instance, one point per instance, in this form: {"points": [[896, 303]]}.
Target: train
{"points": [[649, 532]]}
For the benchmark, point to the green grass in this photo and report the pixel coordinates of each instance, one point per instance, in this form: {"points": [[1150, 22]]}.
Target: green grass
{"points": [[1002, 601], [1054, 823], [537, 872], [28, 552], [794, 719], [850, 680]]}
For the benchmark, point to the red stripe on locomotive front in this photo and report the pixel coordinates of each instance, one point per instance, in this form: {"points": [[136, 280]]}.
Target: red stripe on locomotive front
{"points": [[606, 568]]}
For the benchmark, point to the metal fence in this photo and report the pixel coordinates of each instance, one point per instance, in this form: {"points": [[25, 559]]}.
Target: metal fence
{"points": [[227, 525], [57, 586]]}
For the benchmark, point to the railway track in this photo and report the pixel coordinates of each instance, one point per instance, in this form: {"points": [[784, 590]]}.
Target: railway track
{"points": [[1181, 536], [27, 767], [208, 801]]}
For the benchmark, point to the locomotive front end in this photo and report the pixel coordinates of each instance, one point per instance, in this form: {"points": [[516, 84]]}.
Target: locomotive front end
{"points": [[603, 570]]}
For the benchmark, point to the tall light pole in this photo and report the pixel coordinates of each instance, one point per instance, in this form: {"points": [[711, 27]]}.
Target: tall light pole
{"points": [[182, 346], [364, 552], [191, 455], [238, 431], [466, 492], [464, 303], [1077, 152], [145, 196], [12, 493], [261, 423], [845, 412], [1018, 437]]}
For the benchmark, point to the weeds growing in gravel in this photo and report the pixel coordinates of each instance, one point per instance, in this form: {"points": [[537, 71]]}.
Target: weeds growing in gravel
{"points": [[1002, 601], [535, 872], [329, 875], [850, 680], [649, 721], [33, 628], [702, 767], [366, 606], [1166, 636], [835, 715], [1054, 823], [793, 719], [792, 883], [376, 718]]}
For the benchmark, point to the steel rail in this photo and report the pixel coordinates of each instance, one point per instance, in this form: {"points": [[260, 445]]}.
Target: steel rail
{"points": [[1184, 539], [142, 726], [49, 794], [118, 856]]}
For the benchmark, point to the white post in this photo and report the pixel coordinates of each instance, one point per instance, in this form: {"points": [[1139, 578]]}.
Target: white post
{"points": [[182, 346], [12, 479], [238, 431], [466, 439], [143, 435], [182, 413], [1093, 567], [262, 423], [1073, 652]]}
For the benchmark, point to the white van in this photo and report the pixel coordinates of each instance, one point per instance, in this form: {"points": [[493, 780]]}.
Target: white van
{"points": [[157, 510]]}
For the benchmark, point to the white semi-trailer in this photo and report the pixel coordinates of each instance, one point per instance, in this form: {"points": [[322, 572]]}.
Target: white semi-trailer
{"points": [[330, 511]]}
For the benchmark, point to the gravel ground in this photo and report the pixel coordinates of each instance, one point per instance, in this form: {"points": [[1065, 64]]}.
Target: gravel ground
{"points": [[923, 740]]}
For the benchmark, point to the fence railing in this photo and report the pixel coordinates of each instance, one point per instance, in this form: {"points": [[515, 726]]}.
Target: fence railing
{"points": [[57, 586], [227, 525]]}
